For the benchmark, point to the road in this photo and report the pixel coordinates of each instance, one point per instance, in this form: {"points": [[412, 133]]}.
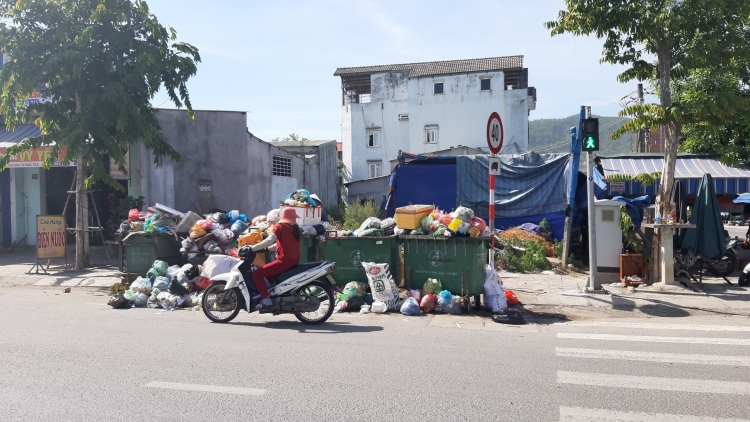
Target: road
{"points": [[69, 357]]}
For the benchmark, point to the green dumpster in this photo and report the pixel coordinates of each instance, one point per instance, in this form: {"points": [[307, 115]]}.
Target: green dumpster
{"points": [[309, 250], [140, 250], [350, 252], [458, 262]]}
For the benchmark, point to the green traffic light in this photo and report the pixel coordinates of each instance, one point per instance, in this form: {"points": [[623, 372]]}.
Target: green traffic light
{"points": [[590, 143]]}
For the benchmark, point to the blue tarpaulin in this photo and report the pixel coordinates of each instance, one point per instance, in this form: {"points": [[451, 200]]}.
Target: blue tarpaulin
{"points": [[635, 207], [531, 187]]}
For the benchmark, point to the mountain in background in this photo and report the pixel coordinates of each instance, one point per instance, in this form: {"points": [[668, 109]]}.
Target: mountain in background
{"points": [[553, 135]]}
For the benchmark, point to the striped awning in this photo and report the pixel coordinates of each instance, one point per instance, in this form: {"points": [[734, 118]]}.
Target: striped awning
{"points": [[8, 138], [687, 167]]}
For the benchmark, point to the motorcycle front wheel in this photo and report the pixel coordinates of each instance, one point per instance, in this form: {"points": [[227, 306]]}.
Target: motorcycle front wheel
{"points": [[221, 305], [724, 266], [324, 293]]}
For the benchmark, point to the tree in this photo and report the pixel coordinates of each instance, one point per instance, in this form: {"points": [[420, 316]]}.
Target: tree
{"points": [[293, 137], [100, 63], [660, 40], [720, 102]]}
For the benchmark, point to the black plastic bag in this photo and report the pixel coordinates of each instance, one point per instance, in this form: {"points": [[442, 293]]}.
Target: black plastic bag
{"points": [[118, 301], [176, 288]]}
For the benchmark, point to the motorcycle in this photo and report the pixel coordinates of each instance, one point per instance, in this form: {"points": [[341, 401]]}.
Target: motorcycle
{"points": [[725, 265], [744, 280], [305, 291]]}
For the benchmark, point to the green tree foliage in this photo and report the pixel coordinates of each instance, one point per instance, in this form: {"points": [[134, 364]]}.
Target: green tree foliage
{"points": [[553, 135], [661, 40], [720, 103], [99, 64]]}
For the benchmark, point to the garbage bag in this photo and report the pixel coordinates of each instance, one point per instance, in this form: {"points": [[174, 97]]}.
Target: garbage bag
{"points": [[177, 289], [444, 302], [379, 307], [202, 283], [212, 246], [118, 301], [353, 289], [494, 297], [370, 223], [223, 236], [250, 239], [191, 271], [428, 303], [479, 224], [161, 283], [426, 223], [145, 287], [456, 305], [172, 271], [238, 227], [131, 295], [432, 285], [463, 213], [207, 225], [159, 268], [153, 301], [511, 298], [197, 232], [134, 215], [411, 307], [218, 264], [168, 300], [381, 284], [416, 294], [219, 218], [273, 216], [157, 223], [141, 300]]}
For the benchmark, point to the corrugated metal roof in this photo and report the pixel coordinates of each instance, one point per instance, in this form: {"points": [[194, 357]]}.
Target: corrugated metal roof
{"points": [[307, 143], [441, 67], [21, 132], [687, 167]]}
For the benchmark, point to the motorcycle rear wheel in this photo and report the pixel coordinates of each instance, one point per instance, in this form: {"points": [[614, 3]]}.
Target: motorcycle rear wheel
{"points": [[220, 305], [724, 266], [324, 293]]}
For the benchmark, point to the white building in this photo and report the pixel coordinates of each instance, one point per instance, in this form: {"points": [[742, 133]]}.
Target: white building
{"points": [[431, 106]]}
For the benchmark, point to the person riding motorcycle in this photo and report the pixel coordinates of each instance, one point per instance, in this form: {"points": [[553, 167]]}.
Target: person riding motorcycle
{"points": [[284, 237]]}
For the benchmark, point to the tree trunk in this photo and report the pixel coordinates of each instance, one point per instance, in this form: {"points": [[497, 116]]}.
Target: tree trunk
{"points": [[672, 130], [81, 211], [82, 202]]}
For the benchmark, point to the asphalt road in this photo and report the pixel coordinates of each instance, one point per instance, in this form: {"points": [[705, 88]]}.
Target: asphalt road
{"points": [[70, 357]]}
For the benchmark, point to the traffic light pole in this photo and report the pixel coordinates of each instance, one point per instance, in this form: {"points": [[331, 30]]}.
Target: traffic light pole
{"points": [[593, 276]]}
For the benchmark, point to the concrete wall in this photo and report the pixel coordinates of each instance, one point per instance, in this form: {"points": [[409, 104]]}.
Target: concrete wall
{"points": [[217, 151], [461, 114]]}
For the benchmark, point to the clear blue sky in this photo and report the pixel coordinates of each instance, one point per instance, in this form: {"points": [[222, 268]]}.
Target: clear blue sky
{"points": [[276, 59]]}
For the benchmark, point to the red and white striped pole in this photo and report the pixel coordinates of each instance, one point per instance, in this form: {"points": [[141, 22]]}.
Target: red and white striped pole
{"points": [[492, 218]]}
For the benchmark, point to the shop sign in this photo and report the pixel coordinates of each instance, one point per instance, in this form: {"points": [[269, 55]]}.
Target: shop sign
{"points": [[50, 236], [35, 157], [617, 187], [114, 170]]}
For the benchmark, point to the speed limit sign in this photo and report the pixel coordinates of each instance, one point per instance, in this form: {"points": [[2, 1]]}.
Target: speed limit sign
{"points": [[495, 133]]}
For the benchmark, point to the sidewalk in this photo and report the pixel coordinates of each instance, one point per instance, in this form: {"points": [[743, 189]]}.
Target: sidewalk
{"points": [[565, 294], [15, 266]]}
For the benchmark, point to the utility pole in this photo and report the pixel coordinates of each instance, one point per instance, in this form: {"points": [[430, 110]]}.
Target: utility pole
{"points": [[593, 279], [640, 142]]}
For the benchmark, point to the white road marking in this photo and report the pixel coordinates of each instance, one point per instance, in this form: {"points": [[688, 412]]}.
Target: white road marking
{"points": [[579, 414], [656, 339], [652, 326], [654, 383], [653, 357], [209, 388]]}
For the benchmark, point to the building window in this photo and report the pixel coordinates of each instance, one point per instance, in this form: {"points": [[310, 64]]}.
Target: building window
{"points": [[485, 84], [374, 169], [437, 88], [431, 134], [282, 166], [373, 138]]}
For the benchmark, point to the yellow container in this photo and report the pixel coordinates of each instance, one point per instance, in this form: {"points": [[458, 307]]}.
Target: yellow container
{"points": [[410, 217]]}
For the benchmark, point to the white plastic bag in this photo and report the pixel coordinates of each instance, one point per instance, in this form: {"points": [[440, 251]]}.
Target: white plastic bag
{"points": [[172, 271], [381, 284], [379, 308], [494, 295], [218, 264]]}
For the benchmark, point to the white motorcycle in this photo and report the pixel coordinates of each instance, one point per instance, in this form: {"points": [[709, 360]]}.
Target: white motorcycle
{"points": [[305, 291]]}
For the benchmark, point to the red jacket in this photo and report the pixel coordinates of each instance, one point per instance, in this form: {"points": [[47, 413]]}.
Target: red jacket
{"points": [[287, 246]]}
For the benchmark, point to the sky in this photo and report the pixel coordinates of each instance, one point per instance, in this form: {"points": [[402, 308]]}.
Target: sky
{"points": [[276, 59]]}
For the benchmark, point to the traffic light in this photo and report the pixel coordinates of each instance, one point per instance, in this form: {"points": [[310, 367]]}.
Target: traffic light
{"points": [[590, 134]]}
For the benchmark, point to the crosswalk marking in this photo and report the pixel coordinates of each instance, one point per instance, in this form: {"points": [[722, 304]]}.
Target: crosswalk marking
{"points": [[654, 383], [653, 357], [579, 414], [652, 326], [656, 339]]}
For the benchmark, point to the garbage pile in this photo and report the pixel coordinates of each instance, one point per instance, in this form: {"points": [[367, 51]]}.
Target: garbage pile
{"points": [[460, 223], [171, 288], [158, 219]]}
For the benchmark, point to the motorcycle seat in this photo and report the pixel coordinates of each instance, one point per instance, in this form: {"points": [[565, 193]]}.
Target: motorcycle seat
{"points": [[299, 269]]}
